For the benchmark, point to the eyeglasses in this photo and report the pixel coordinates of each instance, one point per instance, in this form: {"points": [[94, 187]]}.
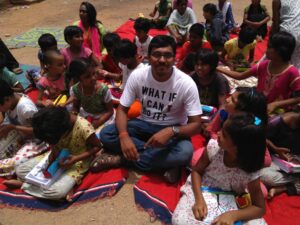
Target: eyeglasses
{"points": [[158, 55]]}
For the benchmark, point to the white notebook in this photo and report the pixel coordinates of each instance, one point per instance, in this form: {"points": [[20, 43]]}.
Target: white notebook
{"points": [[36, 176]]}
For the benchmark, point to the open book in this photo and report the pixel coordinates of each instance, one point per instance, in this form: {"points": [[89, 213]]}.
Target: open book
{"points": [[292, 166], [37, 177], [218, 202]]}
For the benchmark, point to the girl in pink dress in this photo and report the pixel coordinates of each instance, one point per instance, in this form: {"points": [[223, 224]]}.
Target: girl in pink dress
{"points": [[74, 37]]}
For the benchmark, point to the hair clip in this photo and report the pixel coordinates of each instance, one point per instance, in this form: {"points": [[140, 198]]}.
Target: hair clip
{"points": [[257, 121]]}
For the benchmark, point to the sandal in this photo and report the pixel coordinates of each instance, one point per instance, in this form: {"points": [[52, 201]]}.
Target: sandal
{"points": [[105, 161]]}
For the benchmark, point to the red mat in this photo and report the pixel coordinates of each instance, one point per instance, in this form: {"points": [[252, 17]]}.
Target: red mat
{"points": [[94, 186], [126, 30]]}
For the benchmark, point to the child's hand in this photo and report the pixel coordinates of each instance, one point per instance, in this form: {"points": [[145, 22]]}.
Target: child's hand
{"points": [[200, 210], [282, 153], [206, 130], [224, 219], [272, 107], [67, 162], [101, 73], [5, 129], [47, 103]]}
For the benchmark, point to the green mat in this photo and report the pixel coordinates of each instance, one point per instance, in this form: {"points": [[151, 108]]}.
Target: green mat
{"points": [[30, 38]]}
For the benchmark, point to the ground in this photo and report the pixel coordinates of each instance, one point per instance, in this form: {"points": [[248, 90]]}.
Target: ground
{"points": [[14, 20]]}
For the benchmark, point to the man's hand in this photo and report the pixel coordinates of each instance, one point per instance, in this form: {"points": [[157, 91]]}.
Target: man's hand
{"points": [[160, 139], [128, 148]]}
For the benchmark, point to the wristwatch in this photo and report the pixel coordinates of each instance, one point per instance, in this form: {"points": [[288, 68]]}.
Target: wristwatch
{"points": [[175, 130]]}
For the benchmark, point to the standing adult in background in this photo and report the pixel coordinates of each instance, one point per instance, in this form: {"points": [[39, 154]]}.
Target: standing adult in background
{"points": [[159, 138], [93, 29], [286, 17]]}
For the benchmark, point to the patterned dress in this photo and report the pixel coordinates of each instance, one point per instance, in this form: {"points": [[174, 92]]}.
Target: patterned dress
{"points": [[216, 175], [75, 142]]}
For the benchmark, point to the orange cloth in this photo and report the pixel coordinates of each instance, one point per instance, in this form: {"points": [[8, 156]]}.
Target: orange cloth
{"points": [[134, 110]]}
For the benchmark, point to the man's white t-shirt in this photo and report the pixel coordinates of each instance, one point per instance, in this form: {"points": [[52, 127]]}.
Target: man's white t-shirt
{"points": [[163, 103], [126, 73], [23, 112]]}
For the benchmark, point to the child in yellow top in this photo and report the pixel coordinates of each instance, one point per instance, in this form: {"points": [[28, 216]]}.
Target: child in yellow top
{"points": [[239, 52]]}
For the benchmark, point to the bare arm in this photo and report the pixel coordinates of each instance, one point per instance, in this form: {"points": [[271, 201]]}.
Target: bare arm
{"points": [[95, 60], [6, 128], [234, 74], [152, 14], [93, 145], [43, 103], [199, 208], [283, 103], [128, 148], [108, 113]]}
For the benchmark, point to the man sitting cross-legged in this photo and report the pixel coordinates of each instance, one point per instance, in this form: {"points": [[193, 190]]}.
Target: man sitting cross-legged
{"points": [[171, 109]]}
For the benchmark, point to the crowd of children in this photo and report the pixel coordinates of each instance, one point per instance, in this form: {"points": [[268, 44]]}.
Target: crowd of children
{"points": [[93, 72]]}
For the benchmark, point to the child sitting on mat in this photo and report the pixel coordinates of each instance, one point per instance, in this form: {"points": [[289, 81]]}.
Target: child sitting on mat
{"points": [[216, 29], [142, 39], [61, 130], [46, 42], [180, 21], [74, 37], [93, 96], [239, 52], [257, 17], [193, 45], [283, 139], [213, 87], [52, 84], [164, 9], [109, 62], [16, 129], [231, 163]]}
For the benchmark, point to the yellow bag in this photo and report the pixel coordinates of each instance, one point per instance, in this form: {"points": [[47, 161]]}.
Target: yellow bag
{"points": [[61, 99]]}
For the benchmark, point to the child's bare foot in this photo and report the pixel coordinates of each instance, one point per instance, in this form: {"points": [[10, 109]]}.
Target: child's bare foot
{"points": [[69, 196], [276, 191], [12, 184]]}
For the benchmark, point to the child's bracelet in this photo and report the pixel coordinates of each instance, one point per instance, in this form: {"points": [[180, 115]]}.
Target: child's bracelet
{"points": [[123, 134]]}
